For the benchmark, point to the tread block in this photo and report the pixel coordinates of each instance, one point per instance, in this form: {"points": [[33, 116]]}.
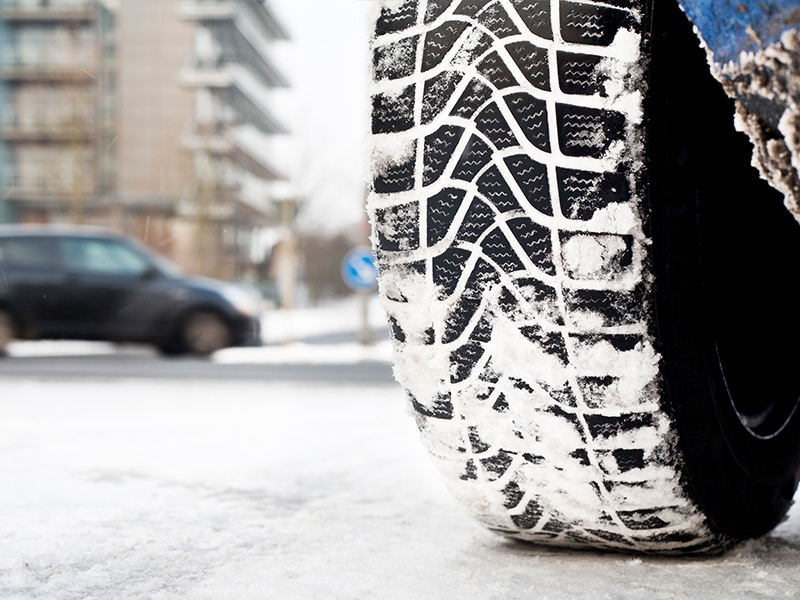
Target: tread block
{"points": [[393, 113], [482, 277], [476, 94], [397, 18], [396, 177], [536, 15], [609, 308], [492, 124], [578, 74], [494, 69], [536, 242], [470, 8], [531, 177], [582, 456], [463, 360], [492, 185], [513, 494], [508, 303], [396, 59], [399, 227], [441, 407], [619, 342], [435, 8], [552, 342], [396, 331], [483, 330], [438, 92], [562, 395], [530, 517], [470, 471], [644, 519], [439, 148], [478, 219], [447, 270], [583, 193], [471, 45], [610, 536], [442, 209], [501, 404], [603, 426], [497, 465], [533, 62], [477, 444], [475, 157], [592, 24], [439, 41], [496, 247], [531, 115], [588, 132], [496, 19], [459, 316], [629, 459]]}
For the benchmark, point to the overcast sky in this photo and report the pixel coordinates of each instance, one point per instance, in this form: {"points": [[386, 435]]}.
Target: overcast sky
{"points": [[327, 108]]}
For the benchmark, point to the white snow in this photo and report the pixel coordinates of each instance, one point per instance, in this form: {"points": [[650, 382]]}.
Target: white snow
{"points": [[211, 491]]}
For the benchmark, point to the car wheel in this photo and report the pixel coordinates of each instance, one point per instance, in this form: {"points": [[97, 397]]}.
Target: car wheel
{"points": [[591, 315], [7, 330], [205, 332]]}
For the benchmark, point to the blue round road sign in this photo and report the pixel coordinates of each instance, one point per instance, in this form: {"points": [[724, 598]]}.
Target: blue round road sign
{"points": [[359, 270]]}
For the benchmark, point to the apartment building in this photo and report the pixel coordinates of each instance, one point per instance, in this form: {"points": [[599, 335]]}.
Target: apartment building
{"points": [[151, 116], [55, 69]]}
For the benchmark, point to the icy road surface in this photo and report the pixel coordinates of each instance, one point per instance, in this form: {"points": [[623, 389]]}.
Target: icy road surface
{"points": [[168, 490]]}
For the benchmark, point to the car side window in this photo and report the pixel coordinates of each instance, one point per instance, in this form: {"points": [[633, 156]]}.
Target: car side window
{"points": [[106, 257], [31, 253]]}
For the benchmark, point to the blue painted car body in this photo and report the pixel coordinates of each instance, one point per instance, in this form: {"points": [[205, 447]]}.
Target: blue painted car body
{"points": [[730, 27]]}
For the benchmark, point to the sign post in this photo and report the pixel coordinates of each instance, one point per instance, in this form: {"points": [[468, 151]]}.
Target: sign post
{"points": [[361, 275]]}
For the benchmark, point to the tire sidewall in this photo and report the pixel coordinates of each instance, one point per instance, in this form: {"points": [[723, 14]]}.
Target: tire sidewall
{"points": [[744, 483]]}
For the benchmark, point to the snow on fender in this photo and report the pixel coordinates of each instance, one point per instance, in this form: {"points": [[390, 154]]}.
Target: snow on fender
{"points": [[536, 233]]}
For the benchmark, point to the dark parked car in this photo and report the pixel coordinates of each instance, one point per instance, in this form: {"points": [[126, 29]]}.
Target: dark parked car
{"points": [[94, 284]]}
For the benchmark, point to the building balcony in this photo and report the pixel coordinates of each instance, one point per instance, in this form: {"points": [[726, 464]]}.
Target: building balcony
{"points": [[44, 189], [231, 88], [18, 69], [78, 131], [38, 10], [252, 11], [240, 42], [237, 41], [219, 145]]}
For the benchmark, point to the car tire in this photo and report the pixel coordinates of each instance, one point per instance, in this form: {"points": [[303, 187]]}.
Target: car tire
{"points": [[7, 330], [590, 316], [205, 332]]}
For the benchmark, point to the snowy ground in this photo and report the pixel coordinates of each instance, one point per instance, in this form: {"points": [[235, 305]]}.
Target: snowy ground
{"points": [[212, 490]]}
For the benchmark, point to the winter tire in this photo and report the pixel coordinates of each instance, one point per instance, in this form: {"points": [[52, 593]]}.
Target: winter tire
{"points": [[205, 332], [588, 287]]}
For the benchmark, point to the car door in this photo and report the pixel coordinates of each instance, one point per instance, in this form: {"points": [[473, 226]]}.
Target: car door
{"points": [[33, 281], [115, 292]]}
